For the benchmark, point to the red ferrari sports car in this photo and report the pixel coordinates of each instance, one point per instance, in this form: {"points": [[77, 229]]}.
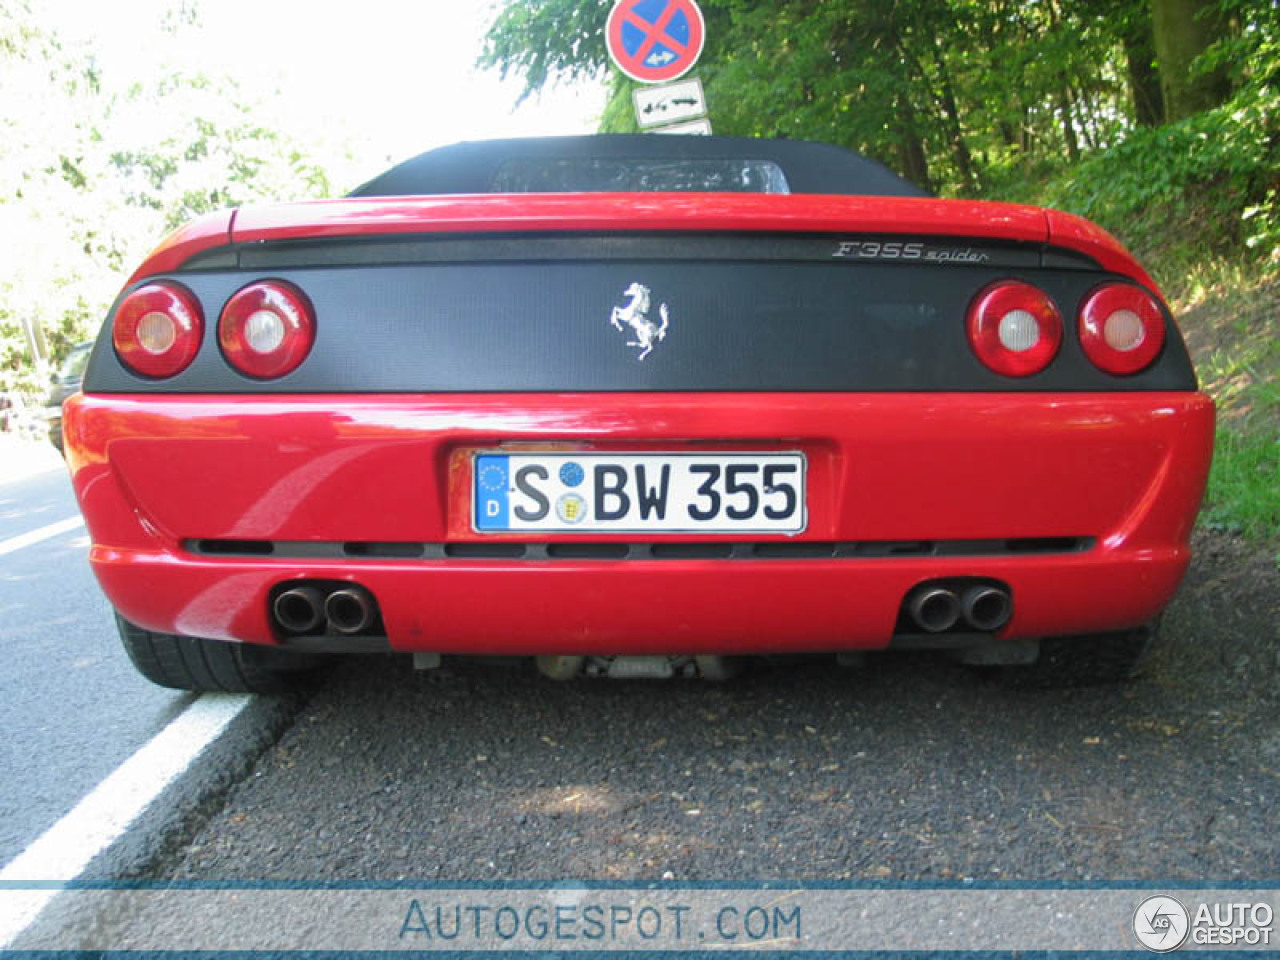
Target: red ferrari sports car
{"points": [[637, 406]]}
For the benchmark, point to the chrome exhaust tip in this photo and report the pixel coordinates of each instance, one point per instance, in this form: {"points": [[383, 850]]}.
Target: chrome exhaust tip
{"points": [[349, 610], [933, 609], [299, 610], [986, 609]]}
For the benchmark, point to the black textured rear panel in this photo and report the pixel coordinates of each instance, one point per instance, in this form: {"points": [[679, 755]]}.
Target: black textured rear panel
{"points": [[732, 325]]}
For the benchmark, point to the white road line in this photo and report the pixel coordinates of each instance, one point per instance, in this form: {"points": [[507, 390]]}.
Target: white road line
{"points": [[65, 849], [40, 533]]}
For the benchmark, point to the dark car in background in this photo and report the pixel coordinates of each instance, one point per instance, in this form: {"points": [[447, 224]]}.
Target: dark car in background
{"points": [[64, 383]]}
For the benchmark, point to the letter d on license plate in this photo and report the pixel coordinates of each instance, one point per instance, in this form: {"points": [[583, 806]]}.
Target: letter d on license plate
{"points": [[639, 493]]}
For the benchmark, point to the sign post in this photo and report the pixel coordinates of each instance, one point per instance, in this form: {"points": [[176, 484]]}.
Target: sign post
{"points": [[658, 42]]}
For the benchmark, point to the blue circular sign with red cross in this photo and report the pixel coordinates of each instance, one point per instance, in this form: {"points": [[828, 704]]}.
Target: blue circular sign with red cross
{"points": [[653, 41]]}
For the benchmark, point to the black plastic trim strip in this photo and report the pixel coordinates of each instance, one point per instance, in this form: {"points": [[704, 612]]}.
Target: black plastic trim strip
{"points": [[553, 246], [637, 551]]}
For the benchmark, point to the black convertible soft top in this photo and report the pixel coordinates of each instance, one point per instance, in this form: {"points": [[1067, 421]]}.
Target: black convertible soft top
{"points": [[639, 162]]}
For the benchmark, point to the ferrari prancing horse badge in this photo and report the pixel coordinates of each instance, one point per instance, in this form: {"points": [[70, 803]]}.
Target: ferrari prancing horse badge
{"points": [[635, 314]]}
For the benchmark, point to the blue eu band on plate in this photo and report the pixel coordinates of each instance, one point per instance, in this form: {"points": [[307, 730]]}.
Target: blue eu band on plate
{"points": [[640, 493]]}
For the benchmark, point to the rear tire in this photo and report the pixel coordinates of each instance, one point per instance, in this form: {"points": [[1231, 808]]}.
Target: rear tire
{"points": [[1089, 660], [213, 666]]}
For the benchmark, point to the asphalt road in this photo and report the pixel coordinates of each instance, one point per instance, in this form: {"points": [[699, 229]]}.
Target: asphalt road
{"points": [[911, 768], [71, 707]]}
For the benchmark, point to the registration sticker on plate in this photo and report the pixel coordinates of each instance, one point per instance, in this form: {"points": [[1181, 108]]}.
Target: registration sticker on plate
{"points": [[639, 493]]}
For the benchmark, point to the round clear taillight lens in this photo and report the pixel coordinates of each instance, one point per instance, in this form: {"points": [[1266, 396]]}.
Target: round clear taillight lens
{"points": [[267, 329], [1014, 328], [1121, 328], [157, 329]]}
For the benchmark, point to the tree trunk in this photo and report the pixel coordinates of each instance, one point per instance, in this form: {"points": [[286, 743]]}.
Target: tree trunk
{"points": [[1068, 127], [960, 149], [1183, 30], [1144, 78], [1083, 106], [914, 163]]}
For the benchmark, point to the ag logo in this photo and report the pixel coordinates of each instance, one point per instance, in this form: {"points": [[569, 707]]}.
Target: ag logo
{"points": [[635, 315], [1161, 924]]}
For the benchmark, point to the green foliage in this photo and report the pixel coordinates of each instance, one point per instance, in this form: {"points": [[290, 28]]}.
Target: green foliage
{"points": [[218, 158], [1262, 224], [546, 40], [1179, 193], [1191, 196]]}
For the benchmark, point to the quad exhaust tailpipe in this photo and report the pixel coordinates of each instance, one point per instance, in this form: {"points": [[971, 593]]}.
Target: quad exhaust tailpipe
{"points": [[986, 608], [933, 609], [300, 610], [350, 610], [964, 605], [315, 607]]}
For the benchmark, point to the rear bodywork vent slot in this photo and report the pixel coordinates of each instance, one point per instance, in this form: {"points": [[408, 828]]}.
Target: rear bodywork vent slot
{"points": [[588, 551], [374, 549], [485, 551], [795, 550], [232, 547], [1046, 545], [691, 551], [916, 548]]}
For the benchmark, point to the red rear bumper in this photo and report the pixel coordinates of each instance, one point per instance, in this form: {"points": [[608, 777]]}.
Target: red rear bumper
{"points": [[1126, 470]]}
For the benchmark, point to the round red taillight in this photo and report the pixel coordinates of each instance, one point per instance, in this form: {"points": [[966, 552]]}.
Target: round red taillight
{"points": [[1014, 328], [267, 329], [157, 329], [1121, 328]]}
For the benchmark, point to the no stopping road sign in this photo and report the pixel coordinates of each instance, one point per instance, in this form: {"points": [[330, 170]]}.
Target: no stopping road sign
{"points": [[653, 41]]}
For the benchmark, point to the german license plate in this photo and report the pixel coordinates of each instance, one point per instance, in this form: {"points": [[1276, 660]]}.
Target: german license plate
{"points": [[639, 492]]}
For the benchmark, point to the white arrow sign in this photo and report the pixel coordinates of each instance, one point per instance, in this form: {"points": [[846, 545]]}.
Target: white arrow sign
{"points": [[669, 103]]}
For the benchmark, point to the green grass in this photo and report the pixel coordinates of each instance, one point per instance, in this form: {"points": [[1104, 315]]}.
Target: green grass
{"points": [[1241, 319], [1244, 484]]}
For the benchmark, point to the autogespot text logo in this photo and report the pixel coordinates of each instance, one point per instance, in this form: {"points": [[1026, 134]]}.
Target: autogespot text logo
{"points": [[1161, 924]]}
